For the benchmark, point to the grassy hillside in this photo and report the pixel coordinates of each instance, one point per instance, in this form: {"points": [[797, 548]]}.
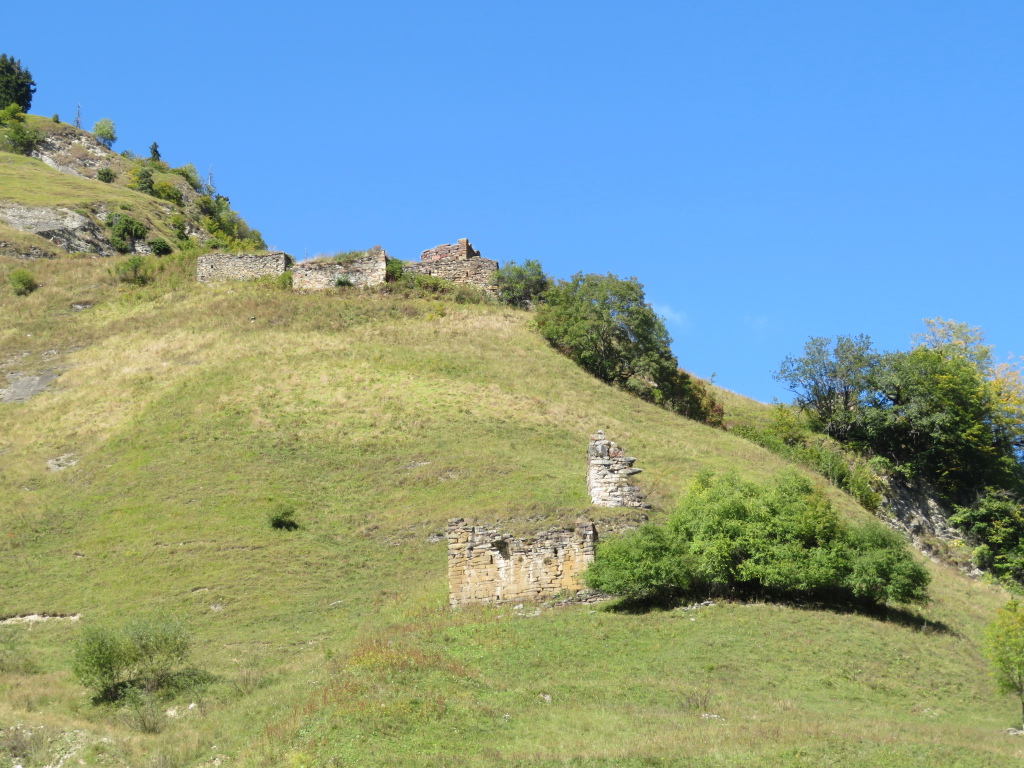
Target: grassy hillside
{"points": [[191, 410]]}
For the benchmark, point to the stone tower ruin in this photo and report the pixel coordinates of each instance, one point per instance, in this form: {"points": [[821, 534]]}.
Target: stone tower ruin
{"points": [[608, 475]]}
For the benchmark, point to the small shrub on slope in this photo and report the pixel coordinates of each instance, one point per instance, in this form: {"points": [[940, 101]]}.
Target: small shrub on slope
{"points": [[779, 539], [22, 282]]}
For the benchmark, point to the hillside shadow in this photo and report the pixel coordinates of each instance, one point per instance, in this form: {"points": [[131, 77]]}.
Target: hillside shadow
{"points": [[834, 603]]}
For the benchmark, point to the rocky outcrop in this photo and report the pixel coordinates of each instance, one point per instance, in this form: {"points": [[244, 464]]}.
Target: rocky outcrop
{"points": [[74, 152], [69, 230], [609, 474]]}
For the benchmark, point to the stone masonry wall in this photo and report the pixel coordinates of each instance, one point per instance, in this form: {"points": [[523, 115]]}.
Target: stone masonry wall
{"points": [[485, 565], [458, 263], [461, 250], [240, 266], [608, 473], [320, 276]]}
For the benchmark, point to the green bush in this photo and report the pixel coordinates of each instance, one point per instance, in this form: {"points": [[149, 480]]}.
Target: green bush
{"points": [[393, 270], [282, 517], [167, 191], [106, 174], [342, 282], [11, 113], [179, 226], [995, 522], [134, 270], [522, 286], [22, 281], [160, 246], [781, 539], [142, 179], [284, 281], [55, 118], [189, 173], [21, 139], [124, 226], [145, 653]]}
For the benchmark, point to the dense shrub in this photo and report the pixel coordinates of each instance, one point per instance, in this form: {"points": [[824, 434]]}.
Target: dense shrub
{"points": [[393, 270], [22, 281], [995, 523], [106, 174], [522, 285], [145, 653], [160, 246], [125, 227], [167, 191], [780, 539], [21, 139], [134, 270], [141, 179], [342, 282], [189, 173], [179, 226], [282, 517]]}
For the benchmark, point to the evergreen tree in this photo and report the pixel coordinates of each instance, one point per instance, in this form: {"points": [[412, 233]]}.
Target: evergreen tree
{"points": [[16, 84]]}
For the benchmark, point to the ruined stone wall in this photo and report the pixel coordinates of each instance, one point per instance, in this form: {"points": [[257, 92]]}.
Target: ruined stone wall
{"points": [[320, 276], [485, 565], [461, 250], [459, 264], [608, 475], [240, 266]]}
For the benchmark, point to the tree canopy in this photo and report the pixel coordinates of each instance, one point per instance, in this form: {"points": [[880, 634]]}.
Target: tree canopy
{"points": [[16, 83], [104, 131]]}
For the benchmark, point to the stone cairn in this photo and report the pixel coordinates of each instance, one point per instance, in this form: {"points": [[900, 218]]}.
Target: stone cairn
{"points": [[608, 475], [488, 566]]}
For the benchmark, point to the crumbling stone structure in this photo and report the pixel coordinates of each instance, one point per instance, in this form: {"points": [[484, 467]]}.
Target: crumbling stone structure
{"points": [[240, 266], [368, 270], [608, 475], [459, 263], [487, 566]]}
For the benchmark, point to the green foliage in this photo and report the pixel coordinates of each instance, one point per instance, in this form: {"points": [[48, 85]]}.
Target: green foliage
{"points": [[167, 191], [342, 282], [789, 436], [282, 517], [141, 179], [20, 139], [105, 132], [134, 270], [284, 281], [995, 521], [160, 246], [154, 151], [227, 227], [1004, 649], [22, 281], [16, 83], [189, 173], [124, 228], [179, 226], [603, 324], [55, 117], [779, 539], [522, 285], [393, 270], [11, 114], [106, 174], [144, 653]]}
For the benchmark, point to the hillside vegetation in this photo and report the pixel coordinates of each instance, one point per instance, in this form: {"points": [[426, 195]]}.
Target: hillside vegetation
{"points": [[192, 411]]}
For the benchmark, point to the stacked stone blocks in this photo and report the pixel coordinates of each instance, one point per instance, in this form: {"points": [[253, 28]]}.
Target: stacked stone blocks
{"points": [[240, 266], [487, 566], [459, 263], [609, 472], [364, 272]]}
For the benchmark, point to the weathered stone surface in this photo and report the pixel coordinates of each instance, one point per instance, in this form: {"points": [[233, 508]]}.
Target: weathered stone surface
{"points": [[320, 276], [240, 266], [485, 565], [67, 229], [608, 473], [458, 263]]}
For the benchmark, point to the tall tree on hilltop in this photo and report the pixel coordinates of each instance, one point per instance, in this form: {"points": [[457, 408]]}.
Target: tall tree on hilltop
{"points": [[16, 84]]}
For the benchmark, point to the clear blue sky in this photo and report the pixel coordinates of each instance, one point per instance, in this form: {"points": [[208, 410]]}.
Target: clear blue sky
{"points": [[769, 171]]}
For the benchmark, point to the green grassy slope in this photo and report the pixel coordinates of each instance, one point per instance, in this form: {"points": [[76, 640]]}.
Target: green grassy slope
{"points": [[193, 409]]}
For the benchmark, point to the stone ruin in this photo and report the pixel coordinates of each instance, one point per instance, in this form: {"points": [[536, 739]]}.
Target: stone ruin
{"points": [[487, 566], [608, 475], [459, 263], [363, 272], [240, 266]]}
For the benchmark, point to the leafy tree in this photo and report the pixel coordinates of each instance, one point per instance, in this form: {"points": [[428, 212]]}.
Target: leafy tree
{"points": [[22, 281], [21, 139], [11, 113], [16, 83], [105, 132], [522, 285], [995, 521], [1004, 648], [831, 381], [142, 179], [154, 151], [106, 174], [781, 538], [604, 325]]}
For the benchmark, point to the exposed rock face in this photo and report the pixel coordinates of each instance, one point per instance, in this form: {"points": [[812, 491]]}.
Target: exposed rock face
{"points": [[485, 565], [74, 153], [458, 263], [240, 266], [913, 510], [65, 228], [608, 475], [320, 276]]}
